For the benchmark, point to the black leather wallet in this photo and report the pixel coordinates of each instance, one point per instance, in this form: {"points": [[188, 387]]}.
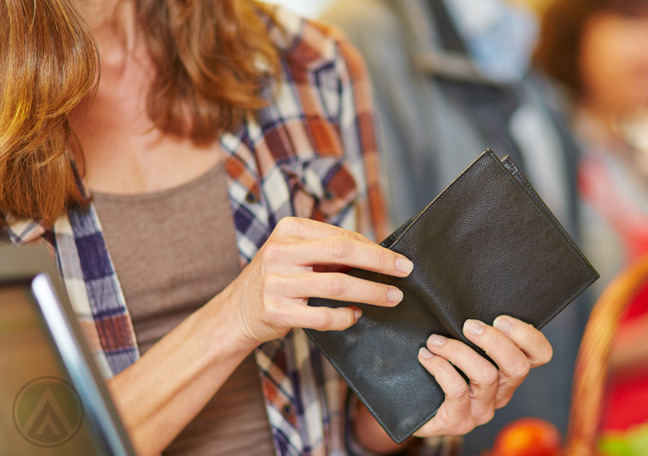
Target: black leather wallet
{"points": [[486, 246]]}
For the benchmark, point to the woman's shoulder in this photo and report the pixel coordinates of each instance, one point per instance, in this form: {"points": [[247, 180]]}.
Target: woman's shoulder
{"points": [[310, 44], [22, 232]]}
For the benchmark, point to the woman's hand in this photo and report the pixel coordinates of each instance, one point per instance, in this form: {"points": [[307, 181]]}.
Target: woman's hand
{"points": [[163, 391], [515, 346], [301, 259]]}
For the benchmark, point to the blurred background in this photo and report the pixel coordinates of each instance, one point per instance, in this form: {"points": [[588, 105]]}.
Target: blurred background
{"points": [[561, 87]]}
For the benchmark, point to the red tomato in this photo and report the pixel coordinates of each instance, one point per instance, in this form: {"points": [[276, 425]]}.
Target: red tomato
{"points": [[528, 437]]}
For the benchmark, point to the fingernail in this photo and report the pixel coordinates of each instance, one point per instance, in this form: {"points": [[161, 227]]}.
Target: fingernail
{"points": [[394, 295], [474, 327], [404, 265], [425, 353], [437, 340], [357, 312], [503, 324]]}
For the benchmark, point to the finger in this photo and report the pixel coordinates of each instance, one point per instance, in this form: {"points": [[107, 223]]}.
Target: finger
{"points": [[350, 252], [340, 287], [531, 341], [311, 229], [323, 318], [509, 357], [454, 416], [484, 378], [512, 361]]}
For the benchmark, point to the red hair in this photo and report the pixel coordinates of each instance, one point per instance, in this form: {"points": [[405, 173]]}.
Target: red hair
{"points": [[212, 60]]}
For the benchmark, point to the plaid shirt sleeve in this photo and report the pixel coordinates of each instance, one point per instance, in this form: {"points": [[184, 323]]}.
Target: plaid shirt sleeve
{"points": [[359, 136]]}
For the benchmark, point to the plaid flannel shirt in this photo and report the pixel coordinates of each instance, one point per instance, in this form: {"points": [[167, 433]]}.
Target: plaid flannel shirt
{"points": [[311, 153]]}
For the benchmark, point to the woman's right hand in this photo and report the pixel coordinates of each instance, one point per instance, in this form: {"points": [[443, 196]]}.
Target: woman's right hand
{"points": [[302, 259]]}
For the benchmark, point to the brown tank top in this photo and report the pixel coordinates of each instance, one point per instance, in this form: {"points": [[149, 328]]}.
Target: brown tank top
{"points": [[174, 250]]}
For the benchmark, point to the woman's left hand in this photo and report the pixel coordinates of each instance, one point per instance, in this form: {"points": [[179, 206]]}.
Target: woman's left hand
{"points": [[515, 346]]}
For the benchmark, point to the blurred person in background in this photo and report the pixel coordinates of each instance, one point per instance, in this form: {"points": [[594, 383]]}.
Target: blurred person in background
{"points": [[451, 78], [598, 50]]}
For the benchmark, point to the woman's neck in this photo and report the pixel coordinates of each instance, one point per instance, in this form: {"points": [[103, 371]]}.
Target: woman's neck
{"points": [[123, 150], [113, 25]]}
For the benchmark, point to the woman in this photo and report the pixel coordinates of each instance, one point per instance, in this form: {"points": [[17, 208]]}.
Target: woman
{"points": [[596, 48], [212, 125]]}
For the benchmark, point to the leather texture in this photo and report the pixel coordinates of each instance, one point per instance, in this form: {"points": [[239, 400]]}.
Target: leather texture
{"points": [[486, 246]]}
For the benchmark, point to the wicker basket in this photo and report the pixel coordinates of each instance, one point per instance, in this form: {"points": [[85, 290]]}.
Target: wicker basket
{"points": [[591, 366]]}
